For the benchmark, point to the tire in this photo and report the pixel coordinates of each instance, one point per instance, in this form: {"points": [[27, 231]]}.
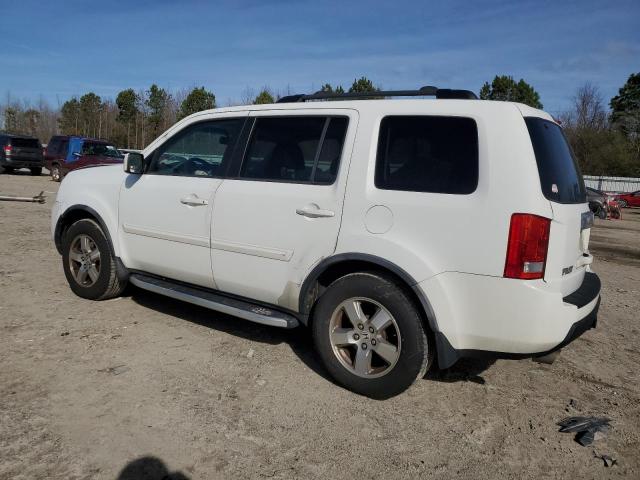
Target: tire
{"points": [[602, 213], [56, 176], [100, 282], [36, 171], [8, 170], [405, 343]]}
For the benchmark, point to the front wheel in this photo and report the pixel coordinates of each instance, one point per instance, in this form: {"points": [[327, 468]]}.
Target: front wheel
{"points": [[88, 262], [370, 336]]}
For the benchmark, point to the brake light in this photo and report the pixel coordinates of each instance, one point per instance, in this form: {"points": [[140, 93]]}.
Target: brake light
{"points": [[7, 149], [527, 247]]}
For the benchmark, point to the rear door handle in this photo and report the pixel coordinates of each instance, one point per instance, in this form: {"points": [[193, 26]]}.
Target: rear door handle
{"points": [[193, 200], [314, 211]]}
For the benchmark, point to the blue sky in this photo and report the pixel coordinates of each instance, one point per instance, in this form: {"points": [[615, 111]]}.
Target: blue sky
{"points": [[56, 49]]}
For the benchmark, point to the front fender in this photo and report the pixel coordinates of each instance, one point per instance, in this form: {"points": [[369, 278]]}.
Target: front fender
{"points": [[83, 211], [91, 192]]}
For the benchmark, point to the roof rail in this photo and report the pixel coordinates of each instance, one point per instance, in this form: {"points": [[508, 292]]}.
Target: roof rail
{"points": [[439, 93]]}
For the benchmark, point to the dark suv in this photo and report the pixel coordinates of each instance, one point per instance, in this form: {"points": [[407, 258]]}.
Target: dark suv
{"points": [[66, 153], [18, 151]]}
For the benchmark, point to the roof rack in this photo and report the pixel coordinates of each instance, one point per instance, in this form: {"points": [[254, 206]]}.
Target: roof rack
{"points": [[439, 93]]}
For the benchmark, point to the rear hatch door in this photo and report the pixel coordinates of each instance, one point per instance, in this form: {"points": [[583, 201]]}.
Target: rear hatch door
{"points": [[562, 185], [26, 149]]}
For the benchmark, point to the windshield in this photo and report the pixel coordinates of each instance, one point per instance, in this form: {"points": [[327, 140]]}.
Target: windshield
{"points": [[102, 149], [560, 177]]}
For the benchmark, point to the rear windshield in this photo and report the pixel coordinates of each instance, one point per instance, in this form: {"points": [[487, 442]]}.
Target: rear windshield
{"points": [[560, 177], [25, 143]]}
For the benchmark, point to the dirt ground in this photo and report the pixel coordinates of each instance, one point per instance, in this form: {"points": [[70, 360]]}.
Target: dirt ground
{"points": [[141, 384]]}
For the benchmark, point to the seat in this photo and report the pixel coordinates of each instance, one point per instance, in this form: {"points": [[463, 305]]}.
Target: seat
{"points": [[286, 162]]}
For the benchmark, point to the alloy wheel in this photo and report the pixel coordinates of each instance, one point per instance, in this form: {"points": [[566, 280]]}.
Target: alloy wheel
{"points": [[365, 337], [84, 260]]}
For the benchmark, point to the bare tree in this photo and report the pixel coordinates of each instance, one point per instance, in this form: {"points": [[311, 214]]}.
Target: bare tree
{"points": [[247, 96], [588, 109]]}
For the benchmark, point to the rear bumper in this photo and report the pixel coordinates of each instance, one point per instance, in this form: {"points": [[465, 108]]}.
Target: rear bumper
{"points": [[21, 162], [503, 318]]}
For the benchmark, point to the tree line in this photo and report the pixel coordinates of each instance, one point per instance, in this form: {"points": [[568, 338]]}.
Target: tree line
{"points": [[605, 141]]}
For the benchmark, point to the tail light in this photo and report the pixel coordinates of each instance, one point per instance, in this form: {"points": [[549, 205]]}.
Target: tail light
{"points": [[527, 247], [7, 149]]}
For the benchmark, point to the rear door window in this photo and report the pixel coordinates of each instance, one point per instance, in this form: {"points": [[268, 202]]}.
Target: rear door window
{"points": [[295, 149], [560, 177], [434, 154]]}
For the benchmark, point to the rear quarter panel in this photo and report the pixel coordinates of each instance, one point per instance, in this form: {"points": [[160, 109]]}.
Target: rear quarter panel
{"points": [[431, 233]]}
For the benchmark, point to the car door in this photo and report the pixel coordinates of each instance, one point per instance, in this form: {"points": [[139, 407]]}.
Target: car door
{"points": [[165, 213], [73, 154], [280, 213]]}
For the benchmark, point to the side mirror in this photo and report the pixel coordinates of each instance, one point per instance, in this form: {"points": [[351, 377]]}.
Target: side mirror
{"points": [[133, 163]]}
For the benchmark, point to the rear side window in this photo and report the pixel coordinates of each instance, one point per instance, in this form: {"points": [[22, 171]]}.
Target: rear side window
{"points": [[295, 149], [25, 143], [560, 177], [427, 154]]}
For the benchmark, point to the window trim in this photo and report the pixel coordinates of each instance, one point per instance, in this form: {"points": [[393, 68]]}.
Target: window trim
{"points": [[375, 166], [225, 170], [238, 167]]}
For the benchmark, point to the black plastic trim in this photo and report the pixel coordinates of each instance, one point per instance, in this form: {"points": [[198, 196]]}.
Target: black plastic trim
{"points": [[313, 276], [589, 290], [439, 93]]}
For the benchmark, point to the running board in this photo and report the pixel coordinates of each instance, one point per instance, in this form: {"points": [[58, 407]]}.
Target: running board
{"points": [[215, 301]]}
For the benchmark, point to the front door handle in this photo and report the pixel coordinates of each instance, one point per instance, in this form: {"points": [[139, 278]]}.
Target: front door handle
{"points": [[193, 200], [314, 211]]}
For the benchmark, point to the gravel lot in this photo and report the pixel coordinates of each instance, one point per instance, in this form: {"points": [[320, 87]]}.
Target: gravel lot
{"points": [[138, 384]]}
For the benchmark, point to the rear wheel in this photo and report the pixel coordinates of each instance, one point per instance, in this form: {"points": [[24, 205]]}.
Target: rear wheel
{"points": [[36, 171], [7, 169], [602, 213], [55, 173], [88, 262], [370, 336]]}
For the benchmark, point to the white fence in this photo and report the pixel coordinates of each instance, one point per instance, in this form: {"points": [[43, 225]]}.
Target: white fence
{"points": [[612, 184]]}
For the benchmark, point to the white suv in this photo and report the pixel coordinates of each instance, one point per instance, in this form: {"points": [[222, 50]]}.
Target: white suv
{"points": [[398, 231]]}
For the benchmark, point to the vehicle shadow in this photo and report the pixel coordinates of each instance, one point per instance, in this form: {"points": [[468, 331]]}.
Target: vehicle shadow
{"points": [[465, 370], [148, 468], [26, 173], [298, 339]]}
